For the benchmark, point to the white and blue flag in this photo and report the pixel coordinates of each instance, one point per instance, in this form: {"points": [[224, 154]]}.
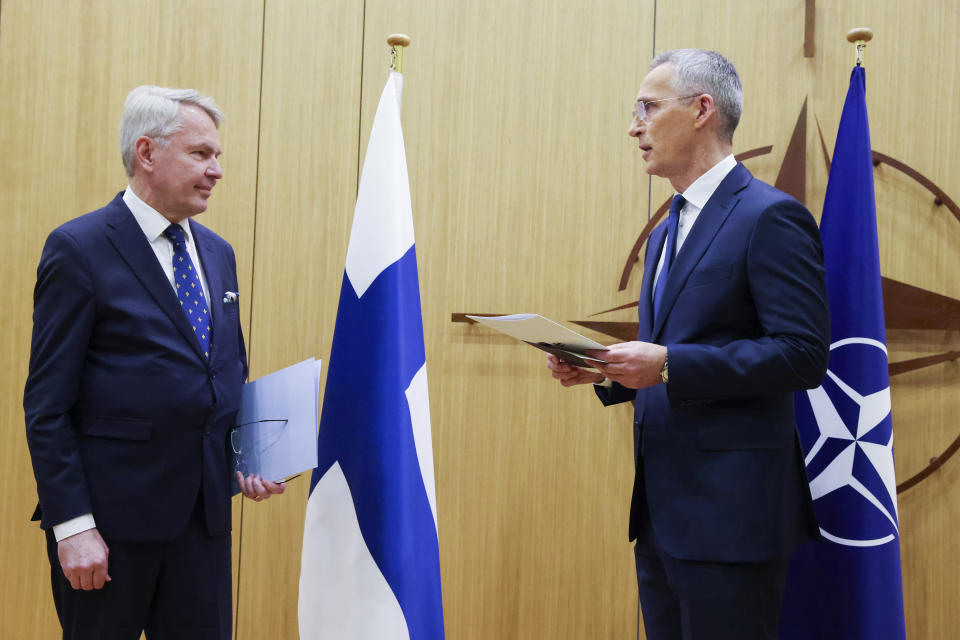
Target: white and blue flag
{"points": [[848, 586], [370, 566]]}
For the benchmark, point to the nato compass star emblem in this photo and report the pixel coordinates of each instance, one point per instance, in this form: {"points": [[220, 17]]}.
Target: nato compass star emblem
{"points": [[849, 441]]}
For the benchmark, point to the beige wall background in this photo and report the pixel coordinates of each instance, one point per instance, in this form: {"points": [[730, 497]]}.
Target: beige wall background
{"points": [[527, 196]]}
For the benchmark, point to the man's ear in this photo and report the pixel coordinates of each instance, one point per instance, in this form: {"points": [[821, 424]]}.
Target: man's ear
{"points": [[143, 152], [706, 110]]}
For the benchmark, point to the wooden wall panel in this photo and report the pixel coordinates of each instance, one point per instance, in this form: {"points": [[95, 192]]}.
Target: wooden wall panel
{"points": [[532, 533], [526, 190], [65, 69], [527, 196], [306, 189]]}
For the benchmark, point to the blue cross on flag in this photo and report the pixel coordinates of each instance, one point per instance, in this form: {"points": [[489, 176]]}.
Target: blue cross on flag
{"points": [[370, 566]]}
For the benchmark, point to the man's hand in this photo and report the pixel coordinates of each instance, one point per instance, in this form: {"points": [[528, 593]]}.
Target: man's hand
{"points": [[83, 558], [256, 488], [634, 365], [569, 375]]}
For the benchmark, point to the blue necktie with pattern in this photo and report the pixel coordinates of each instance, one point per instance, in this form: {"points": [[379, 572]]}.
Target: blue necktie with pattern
{"points": [[669, 248], [189, 289]]}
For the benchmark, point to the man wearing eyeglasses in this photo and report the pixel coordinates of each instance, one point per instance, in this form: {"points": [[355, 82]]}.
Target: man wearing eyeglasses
{"points": [[733, 320]]}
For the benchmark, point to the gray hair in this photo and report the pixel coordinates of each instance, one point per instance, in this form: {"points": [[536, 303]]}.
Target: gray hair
{"points": [[155, 112], [697, 71]]}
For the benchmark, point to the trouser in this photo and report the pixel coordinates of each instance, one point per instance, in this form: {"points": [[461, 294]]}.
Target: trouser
{"points": [[173, 590], [692, 600]]}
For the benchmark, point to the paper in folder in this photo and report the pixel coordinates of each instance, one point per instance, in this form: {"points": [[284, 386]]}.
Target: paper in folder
{"points": [[545, 334], [276, 431]]}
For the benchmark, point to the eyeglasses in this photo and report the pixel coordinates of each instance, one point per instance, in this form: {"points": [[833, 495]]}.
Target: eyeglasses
{"points": [[640, 110], [240, 459]]}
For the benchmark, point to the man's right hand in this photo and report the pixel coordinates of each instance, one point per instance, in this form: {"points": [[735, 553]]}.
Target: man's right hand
{"points": [[569, 375], [83, 558]]}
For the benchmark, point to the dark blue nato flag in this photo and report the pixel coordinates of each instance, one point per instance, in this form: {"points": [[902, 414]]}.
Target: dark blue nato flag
{"points": [[848, 585]]}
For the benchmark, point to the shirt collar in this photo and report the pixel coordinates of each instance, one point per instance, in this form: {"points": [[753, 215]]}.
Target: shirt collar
{"points": [[703, 187], [150, 220]]}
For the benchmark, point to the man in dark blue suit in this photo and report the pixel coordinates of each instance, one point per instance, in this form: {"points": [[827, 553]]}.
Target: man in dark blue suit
{"points": [[733, 319], [136, 368]]}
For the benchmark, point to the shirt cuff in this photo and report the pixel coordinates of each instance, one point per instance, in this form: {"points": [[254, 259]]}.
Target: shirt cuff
{"points": [[606, 384], [74, 526]]}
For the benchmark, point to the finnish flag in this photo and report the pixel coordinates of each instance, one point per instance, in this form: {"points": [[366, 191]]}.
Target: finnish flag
{"points": [[370, 565]]}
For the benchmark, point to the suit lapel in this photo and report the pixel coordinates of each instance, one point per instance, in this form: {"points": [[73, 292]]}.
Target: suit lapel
{"points": [[723, 201], [127, 238]]}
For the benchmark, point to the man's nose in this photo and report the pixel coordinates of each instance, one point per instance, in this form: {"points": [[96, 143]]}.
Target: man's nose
{"points": [[214, 170]]}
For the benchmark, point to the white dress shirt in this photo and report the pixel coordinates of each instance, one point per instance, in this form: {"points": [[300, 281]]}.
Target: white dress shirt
{"points": [[153, 225], [697, 195]]}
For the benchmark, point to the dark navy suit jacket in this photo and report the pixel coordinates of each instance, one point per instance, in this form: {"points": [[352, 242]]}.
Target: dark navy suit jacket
{"points": [[125, 417], [745, 322]]}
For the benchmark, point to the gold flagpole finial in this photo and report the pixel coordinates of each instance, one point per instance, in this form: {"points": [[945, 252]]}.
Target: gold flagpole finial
{"points": [[397, 42], [860, 36]]}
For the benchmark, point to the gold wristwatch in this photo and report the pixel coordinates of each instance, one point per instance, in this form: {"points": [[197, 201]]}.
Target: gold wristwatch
{"points": [[664, 374]]}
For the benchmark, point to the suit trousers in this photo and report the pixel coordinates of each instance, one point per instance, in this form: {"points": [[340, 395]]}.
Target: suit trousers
{"points": [[696, 600], [173, 590]]}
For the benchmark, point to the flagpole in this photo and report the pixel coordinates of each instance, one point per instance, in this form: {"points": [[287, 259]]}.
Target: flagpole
{"points": [[397, 42], [370, 561], [860, 36]]}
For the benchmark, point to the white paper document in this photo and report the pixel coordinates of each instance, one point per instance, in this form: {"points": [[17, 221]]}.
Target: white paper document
{"points": [[276, 431], [544, 333]]}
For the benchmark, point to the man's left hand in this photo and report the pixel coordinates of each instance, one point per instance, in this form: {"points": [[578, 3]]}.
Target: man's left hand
{"points": [[256, 488], [634, 365]]}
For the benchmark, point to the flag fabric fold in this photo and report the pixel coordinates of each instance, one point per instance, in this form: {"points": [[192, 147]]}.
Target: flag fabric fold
{"points": [[370, 564], [848, 586]]}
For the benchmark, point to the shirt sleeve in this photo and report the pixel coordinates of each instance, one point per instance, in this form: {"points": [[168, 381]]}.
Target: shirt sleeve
{"points": [[74, 526]]}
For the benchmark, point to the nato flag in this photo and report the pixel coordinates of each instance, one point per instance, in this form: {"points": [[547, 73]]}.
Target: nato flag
{"points": [[848, 585]]}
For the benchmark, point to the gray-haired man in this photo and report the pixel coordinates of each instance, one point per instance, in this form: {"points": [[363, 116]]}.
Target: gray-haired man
{"points": [[136, 366], [733, 319]]}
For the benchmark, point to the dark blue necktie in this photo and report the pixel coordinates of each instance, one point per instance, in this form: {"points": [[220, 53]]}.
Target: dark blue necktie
{"points": [[189, 289], [669, 249]]}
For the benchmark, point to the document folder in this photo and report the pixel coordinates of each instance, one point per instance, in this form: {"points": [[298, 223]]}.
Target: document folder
{"points": [[275, 435], [545, 334]]}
